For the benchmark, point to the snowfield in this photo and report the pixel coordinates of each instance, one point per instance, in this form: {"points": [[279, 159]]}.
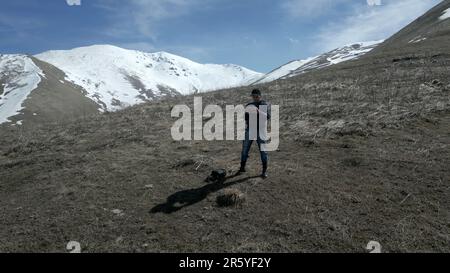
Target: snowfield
{"points": [[446, 14], [342, 54], [116, 78], [283, 71], [352, 51], [20, 76]]}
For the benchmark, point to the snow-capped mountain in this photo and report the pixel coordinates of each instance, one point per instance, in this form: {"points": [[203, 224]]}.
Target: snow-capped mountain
{"points": [[19, 76], [116, 78], [333, 57], [113, 78]]}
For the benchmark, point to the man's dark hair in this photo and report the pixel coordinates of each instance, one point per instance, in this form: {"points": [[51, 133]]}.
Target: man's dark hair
{"points": [[256, 92]]}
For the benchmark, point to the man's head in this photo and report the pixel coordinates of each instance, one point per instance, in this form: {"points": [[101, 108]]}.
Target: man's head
{"points": [[256, 95]]}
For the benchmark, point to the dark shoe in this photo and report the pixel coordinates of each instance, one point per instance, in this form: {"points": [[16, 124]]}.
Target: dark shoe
{"points": [[264, 174], [241, 171]]}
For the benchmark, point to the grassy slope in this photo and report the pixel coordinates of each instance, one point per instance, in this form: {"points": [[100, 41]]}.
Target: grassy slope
{"points": [[53, 100], [364, 156]]}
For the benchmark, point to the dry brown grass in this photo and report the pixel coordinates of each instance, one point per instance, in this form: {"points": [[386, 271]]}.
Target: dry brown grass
{"points": [[230, 198]]}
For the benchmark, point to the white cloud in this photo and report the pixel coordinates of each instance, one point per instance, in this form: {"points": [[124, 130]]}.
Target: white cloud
{"points": [[293, 40], [144, 16], [73, 2], [374, 2], [140, 21], [369, 23], [148, 13], [310, 8]]}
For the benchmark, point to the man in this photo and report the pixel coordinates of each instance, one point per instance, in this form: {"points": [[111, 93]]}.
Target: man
{"points": [[254, 108]]}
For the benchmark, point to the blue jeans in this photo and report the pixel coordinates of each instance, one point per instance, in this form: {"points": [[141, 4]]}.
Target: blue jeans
{"points": [[246, 149]]}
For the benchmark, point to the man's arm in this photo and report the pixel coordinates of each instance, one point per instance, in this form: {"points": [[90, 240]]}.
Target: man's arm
{"points": [[269, 111]]}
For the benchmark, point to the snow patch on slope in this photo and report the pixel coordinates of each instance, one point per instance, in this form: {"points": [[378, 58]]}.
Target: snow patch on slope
{"points": [[416, 40], [116, 78], [20, 76], [352, 51], [283, 70], [446, 14]]}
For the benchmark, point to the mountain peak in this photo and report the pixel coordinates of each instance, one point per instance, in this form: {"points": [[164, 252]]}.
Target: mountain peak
{"points": [[116, 78]]}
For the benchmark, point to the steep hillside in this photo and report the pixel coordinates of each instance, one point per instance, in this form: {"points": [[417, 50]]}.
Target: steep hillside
{"points": [[424, 33], [34, 92], [56, 99]]}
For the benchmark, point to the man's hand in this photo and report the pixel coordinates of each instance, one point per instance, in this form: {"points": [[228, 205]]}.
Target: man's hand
{"points": [[254, 110], [262, 113], [251, 109]]}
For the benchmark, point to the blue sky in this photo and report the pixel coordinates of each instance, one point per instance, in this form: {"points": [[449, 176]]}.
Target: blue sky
{"points": [[258, 34]]}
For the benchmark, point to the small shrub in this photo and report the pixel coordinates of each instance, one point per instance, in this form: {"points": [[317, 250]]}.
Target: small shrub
{"points": [[230, 198]]}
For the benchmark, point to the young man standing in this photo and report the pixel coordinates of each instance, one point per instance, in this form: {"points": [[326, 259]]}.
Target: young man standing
{"points": [[259, 109]]}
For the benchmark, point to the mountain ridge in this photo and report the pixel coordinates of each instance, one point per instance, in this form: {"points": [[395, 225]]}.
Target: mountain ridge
{"points": [[129, 77], [297, 67]]}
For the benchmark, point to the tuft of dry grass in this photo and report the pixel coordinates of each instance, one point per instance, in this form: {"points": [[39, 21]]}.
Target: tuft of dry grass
{"points": [[230, 198]]}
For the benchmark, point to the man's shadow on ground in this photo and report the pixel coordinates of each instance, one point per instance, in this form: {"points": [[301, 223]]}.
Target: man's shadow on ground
{"points": [[186, 198]]}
